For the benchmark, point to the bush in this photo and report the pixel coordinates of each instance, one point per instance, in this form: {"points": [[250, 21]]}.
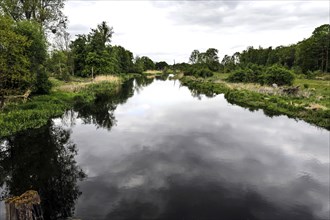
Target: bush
{"points": [[240, 75], [198, 70], [254, 74], [251, 73], [279, 75], [43, 85]]}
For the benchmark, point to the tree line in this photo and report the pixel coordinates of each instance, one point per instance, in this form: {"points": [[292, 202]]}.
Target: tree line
{"points": [[266, 65], [311, 54], [28, 29], [26, 59]]}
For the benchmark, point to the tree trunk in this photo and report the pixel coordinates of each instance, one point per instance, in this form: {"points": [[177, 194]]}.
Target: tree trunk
{"points": [[25, 207]]}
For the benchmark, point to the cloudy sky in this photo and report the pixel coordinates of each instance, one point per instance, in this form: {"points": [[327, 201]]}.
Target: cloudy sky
{"points": [[171, 30]]}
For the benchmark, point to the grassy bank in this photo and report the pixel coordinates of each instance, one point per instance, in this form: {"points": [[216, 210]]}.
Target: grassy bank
{"points": [[310, 104], [19, 116]]}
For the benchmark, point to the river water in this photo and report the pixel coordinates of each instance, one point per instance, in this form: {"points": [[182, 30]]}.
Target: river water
{"points": [[160, 151]]}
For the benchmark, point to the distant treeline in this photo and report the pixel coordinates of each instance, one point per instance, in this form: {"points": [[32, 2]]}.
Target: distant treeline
{"points": [[26, 60], [93, 54], [265, 65], [311, 54]]}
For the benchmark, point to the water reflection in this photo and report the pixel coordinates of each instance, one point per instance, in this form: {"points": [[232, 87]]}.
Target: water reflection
{"points": [[174, 157], [171, 156], [43, 160]]}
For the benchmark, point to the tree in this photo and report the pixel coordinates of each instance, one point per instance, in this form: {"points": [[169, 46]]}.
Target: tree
{"points": [[161, 65], [36, 53], [15, 76], [48, 13], [138, 65], [48, 165], [228, 63], [124, 58], [100, 36], [321, 40], [148, 64], [23, 57], [211, 55], [79, 50], [194, 57], [210, 58]]}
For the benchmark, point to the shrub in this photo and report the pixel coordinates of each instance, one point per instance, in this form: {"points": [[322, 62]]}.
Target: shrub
{"points": [[254, 73], [248, 74], [198, 71], [240, 75], [279, 75]]}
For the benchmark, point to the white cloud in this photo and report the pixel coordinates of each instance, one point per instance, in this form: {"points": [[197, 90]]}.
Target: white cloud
{"points": [[168, 30]]}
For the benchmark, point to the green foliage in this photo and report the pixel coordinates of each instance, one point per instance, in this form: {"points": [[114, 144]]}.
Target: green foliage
{"points": [[278, 75], [94, 52], [124, 59], [310, 54], [210, 58], [36, 53], [199, 70], [161, 65], [138, 66], [57, 64], [23, 53], [43, 85], [35, 113], [258, 74], [313, 53], [79, 48], [182, 66], [148, 64], [250, 74], [46, 13], [194, 57], [14, 64]]}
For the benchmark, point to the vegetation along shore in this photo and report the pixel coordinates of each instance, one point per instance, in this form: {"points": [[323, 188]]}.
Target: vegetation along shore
{"points": [[287, 80]]}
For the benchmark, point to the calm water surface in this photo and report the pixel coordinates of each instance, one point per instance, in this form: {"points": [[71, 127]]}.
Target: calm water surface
{"points": [[159, 152]]}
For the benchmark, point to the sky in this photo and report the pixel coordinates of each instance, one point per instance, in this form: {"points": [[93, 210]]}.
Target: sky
{"points": [[170, 30]]}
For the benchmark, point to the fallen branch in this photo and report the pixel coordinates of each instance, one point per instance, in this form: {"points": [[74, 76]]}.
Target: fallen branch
{"points": [[25, 96]]}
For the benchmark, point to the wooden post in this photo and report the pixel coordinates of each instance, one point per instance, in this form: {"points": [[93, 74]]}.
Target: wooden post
{"points": [[24, 207]]}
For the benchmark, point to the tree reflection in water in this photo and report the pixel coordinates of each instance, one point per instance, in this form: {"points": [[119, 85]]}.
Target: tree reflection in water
{"points": [[43, 160], [101, 111]]}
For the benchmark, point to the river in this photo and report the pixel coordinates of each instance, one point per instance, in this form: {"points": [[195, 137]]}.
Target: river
{"points": [[161, 151]]}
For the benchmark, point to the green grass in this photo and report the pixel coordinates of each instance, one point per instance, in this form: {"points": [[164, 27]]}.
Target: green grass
{"points": [[293, 107], [34, 113], [320, 90]]}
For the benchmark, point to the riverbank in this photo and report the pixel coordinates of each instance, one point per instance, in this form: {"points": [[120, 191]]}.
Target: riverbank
{"points": [[18, 116], [310, 103]]}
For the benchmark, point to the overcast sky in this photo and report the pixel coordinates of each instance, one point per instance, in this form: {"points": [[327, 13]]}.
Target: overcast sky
{"points": [[171, 30]]}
